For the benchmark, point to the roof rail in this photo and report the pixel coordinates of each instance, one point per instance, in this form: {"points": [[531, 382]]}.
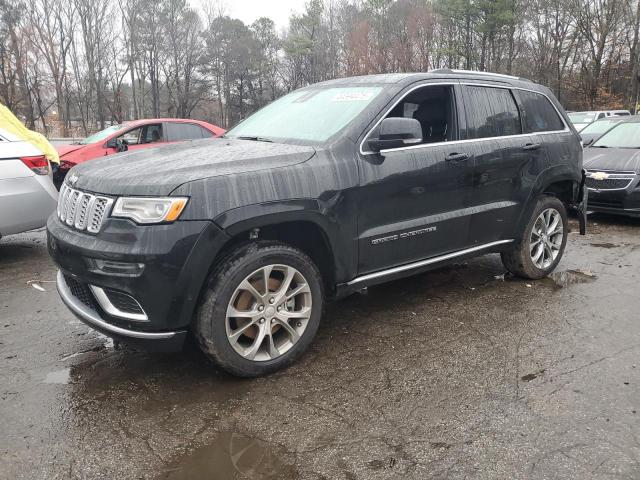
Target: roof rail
{"points": [[474, 72]]}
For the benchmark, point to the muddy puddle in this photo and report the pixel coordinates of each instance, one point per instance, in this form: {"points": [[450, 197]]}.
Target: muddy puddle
{"points": [[231, 456], [605, 245], [570, 277]]}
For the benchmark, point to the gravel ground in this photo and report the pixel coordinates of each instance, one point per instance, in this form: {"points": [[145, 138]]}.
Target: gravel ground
{"points": [[457, 373]]}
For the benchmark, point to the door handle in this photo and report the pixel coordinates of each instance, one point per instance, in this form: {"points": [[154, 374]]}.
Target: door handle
{"points": [[531, 146], [456, 157]]}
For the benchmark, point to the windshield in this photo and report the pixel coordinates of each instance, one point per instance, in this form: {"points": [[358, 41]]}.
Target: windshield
{"points": [[623, 135], [600, 126], [102, 134], [309, 115]]}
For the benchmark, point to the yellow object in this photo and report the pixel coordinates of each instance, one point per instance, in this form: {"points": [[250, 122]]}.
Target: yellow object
{"points": [[10, 123], [175, 210]]}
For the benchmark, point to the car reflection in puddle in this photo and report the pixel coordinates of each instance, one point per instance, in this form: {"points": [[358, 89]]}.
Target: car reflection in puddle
{"points": [[232, 456]]}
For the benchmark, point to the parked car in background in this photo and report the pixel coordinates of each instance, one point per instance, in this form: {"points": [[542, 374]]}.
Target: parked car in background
{"points": [[595, 130], [582, 119], [27, 194], [332, 188], [613, 170], [134, 135]]}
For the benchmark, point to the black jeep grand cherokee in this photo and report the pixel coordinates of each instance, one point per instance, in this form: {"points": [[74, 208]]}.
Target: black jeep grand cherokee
{"points": [[334, 187]]}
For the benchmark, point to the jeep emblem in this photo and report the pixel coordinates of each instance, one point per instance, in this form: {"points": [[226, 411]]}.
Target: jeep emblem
{"points": [[73, 179]]}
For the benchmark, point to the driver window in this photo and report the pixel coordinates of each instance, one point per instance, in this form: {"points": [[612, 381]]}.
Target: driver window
{"points": [[145, 134], [132, 136], [434, 108]]}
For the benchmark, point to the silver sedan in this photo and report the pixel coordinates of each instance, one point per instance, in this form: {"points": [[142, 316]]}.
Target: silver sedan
{"points": [[27, 194]]}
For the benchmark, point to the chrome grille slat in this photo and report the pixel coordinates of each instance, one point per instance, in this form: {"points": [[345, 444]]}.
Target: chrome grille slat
{"points": [[83, 210], [73, 203], [81, 213], [65, 204]]}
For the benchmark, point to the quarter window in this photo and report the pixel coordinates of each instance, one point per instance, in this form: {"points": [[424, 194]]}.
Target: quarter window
{"points": [[491, 112], [538, 113]]}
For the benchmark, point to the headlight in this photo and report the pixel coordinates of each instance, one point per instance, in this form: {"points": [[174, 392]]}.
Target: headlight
{"points": [[149, 210]]}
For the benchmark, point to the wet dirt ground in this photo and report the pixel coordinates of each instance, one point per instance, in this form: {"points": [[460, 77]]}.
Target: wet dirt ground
{"points": [[457, 373]]}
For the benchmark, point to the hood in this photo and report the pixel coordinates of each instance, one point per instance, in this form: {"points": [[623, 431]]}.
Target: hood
{"points": [[620, 159], [160, 170], [64, 149]]}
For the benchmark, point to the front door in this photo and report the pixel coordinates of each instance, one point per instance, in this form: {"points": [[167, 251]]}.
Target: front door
{"points": [[412, 200]]}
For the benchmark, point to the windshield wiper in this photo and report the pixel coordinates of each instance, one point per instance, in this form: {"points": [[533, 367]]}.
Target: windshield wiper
{"points": [[255, 139]]}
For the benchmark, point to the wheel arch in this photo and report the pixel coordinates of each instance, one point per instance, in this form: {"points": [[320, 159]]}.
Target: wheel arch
{"points": [[559, 181], [297, 223]]}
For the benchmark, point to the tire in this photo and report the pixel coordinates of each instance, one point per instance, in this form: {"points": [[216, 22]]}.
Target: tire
{"points": [[521, 259], [237, 286]]}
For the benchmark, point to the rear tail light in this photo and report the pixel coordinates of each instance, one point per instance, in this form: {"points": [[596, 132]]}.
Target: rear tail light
{"points": [[37, 164]]}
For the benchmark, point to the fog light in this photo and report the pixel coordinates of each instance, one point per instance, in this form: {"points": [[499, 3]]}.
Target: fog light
{"points": [[117, 269]]}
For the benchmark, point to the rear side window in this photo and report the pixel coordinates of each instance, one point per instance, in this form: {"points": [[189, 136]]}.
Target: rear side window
{"points": [[491, 112], [538, 113], [186, 131]]}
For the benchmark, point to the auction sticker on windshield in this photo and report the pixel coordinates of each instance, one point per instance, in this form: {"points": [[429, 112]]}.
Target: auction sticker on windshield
{"points": [[353, 97]]}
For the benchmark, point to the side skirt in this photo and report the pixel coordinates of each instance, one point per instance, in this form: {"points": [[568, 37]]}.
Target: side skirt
{"points": [[413, 268]]}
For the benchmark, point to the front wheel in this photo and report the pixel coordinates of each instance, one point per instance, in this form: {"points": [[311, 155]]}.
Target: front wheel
{"points": [[261, 309], [539, 251]]}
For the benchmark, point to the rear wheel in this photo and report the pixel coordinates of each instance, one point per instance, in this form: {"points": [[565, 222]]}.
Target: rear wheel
{"points": [[261, 309], [539, 251]]}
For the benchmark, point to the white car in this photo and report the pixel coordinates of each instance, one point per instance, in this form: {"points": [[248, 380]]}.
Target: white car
{"points": [[27, 194], [582, 119]]}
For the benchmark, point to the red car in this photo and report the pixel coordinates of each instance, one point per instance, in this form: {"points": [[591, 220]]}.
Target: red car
{"points": [[131, 136]]}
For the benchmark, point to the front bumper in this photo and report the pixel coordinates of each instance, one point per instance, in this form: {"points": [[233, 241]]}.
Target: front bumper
{"points": [[175, 257], [617, 202], [162, 341]]}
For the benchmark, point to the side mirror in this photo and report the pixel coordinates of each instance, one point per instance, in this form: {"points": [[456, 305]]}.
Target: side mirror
{"points": [[586, 143], [120, 144], [396, 132]]}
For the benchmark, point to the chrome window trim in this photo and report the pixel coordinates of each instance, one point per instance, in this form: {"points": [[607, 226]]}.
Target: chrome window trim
{"points": [[423, 263], [111, 309], [456, 142]]}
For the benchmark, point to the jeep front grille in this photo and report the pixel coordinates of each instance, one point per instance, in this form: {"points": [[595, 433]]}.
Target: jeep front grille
{"points": [[82, 210]]}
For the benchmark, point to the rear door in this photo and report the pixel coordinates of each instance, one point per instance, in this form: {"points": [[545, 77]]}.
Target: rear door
{"points": [[503, 155]]}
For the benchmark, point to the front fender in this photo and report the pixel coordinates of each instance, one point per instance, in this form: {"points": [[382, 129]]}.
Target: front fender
{"points": [[323, 214]]}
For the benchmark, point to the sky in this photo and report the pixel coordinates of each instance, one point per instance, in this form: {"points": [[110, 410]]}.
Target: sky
{"points": [[250, 10]]}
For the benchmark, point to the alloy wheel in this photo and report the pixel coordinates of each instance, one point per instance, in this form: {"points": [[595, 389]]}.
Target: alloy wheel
{"points": [[546, 238], [268, 312]]}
